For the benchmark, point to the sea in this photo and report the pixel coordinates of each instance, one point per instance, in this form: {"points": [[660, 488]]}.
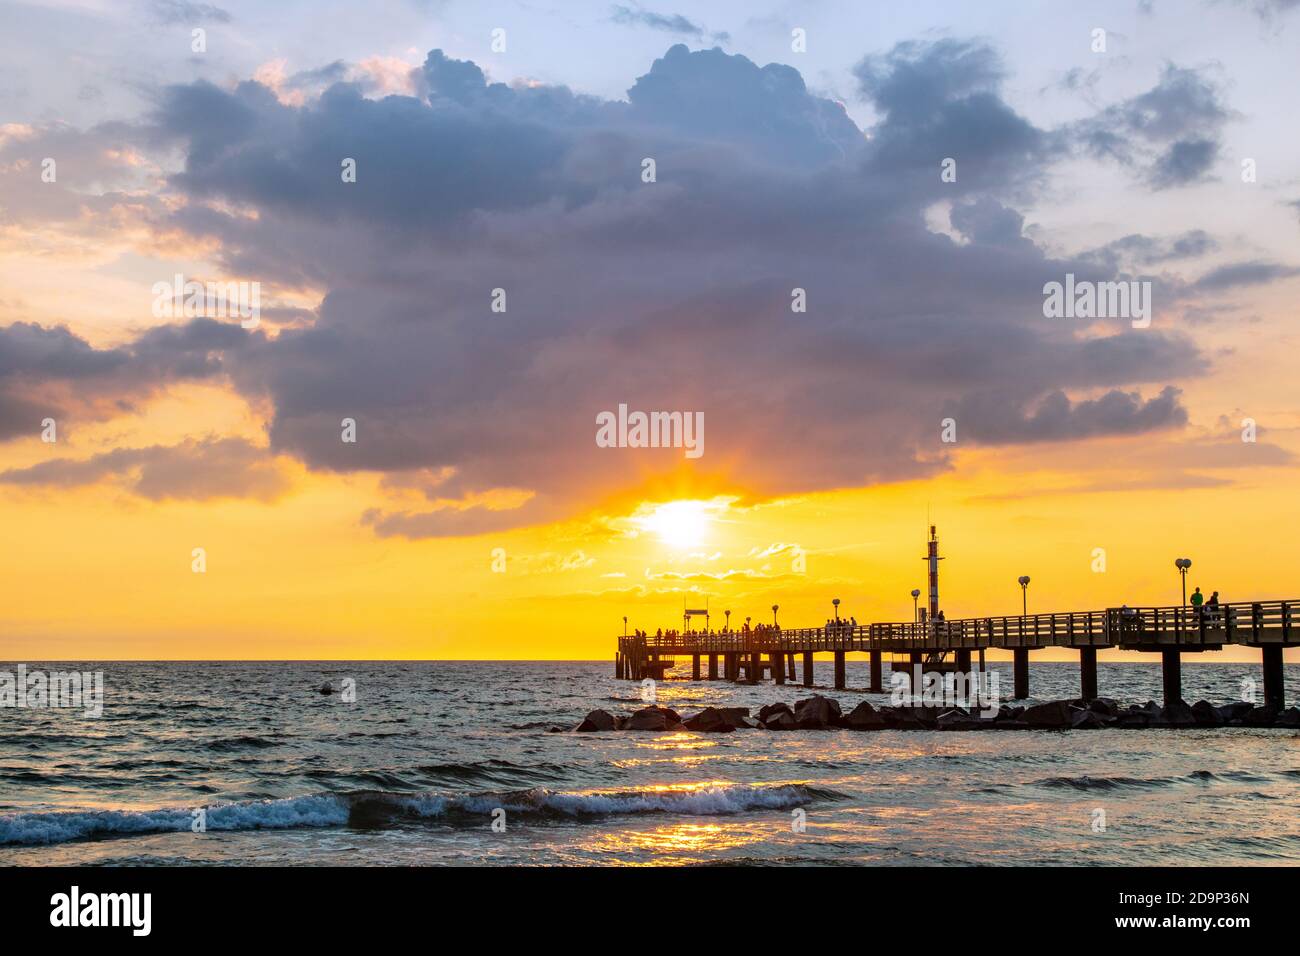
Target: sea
{"points": [[459, 764]]}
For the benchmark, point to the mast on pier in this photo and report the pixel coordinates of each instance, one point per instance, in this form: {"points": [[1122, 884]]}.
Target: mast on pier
{"points": [[933, 559]]}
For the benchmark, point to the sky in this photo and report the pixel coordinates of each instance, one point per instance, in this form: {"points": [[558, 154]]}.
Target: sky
{"points": [[824, 230]]}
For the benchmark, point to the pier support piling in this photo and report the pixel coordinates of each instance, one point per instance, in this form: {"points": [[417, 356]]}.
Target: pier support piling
{"points": [[1274, 688], [807, 668], [789, 660], [1020, 671], [618, 666], [839, 670], [778, 667], [1172, 670], [713, 667], [1088, 673], [962, 657], [877, 665], [756, 666], [695, 667]]}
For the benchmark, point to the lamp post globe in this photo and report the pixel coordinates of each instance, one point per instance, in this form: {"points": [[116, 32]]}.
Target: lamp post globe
{"points": [[1182, 564]]}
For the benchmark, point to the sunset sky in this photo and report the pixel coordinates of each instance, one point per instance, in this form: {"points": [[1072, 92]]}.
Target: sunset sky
{"points": [[475, 516]]}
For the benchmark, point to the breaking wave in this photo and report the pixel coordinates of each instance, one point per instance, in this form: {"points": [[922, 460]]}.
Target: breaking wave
{"points": [[378, 808]]}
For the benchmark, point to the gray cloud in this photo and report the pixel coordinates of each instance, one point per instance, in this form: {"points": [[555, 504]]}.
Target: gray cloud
{"points": [[674, 23], [1171, 134], [1240, 274], [1055, 417], [194, 471], [182, 12], [673, 295]]}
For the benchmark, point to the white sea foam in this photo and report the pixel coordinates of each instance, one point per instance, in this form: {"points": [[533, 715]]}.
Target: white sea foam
{"points": [[332, 810]]}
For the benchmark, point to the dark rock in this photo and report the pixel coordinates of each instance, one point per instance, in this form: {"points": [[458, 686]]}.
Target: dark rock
{"points": [[1237, 710], [1088, 720], [1010, 712], [1288, 718], [1054, 713], [326, 689], [863, 717], [1105, 706], [1206, 714], [597, 720], [902, 718], [736, 716], [1260, 717], [653, 718], [709, 721], [957, 719], [780, 720], [926, 715], [1178, 714], [769, 709], [1133, 718], [817, 712]]}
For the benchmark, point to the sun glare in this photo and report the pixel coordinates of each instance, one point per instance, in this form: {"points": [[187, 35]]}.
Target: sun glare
{"points": [[680, 524]]}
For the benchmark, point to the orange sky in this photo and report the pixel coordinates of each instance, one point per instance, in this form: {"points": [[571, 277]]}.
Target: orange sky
{"points": [[297, 566]]}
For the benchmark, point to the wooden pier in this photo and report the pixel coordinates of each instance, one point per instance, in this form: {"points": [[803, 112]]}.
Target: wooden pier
{"points": [[1170, 631]]}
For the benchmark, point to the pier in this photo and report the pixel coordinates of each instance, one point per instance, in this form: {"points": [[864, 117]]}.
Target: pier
{"points": [[1270, 626], [938, 644]]}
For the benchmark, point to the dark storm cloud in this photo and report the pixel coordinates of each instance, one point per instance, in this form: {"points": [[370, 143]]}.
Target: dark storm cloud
{"points": [[672, 295]]}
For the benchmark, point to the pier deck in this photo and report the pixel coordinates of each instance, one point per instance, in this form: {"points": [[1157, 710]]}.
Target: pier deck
{"points": [[1269, 625]]}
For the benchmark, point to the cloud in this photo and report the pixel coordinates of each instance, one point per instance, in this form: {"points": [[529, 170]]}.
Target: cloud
{"points": [[671, 295], [1055, 417], [942, 99], [182, 12], [1238, 274], [668, 23], [191, 471], [1171, 134], [1141, 250], [52, 372]]}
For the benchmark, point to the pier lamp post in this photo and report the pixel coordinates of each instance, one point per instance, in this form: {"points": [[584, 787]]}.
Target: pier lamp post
{"points": [[625, 625], [775, 608], [1024, 595], [836, 602], [1182, 564], [916, 593], [728, 613]]}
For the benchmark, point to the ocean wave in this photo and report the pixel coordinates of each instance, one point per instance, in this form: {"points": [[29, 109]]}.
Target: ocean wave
{"points": [[380, 808], [1135, 783], [1102, 783]]}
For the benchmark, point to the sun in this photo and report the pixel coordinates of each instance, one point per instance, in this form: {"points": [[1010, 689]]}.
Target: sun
{"points": [[680, 524]]}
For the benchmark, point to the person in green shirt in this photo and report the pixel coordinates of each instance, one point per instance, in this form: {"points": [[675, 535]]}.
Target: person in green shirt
{"points": [[1197, 600]]}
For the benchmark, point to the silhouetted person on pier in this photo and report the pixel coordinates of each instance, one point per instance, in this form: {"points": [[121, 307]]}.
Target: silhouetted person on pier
{"points": [[1197, 599], [1212, 607]]}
